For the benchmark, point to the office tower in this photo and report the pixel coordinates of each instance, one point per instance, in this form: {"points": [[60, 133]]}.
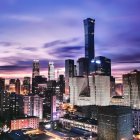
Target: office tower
{"points": [[12, 87], [97, 92], [39, 84], [60, 88], [51, 91], [17, 86], [51, 71], [131, 89], [36, 69], [69, 72], [26, 85], [89, 39], [101, 65], [2, 84], [16, 105], [4, 105], [82, 66], [114, 123], [33, 105]]}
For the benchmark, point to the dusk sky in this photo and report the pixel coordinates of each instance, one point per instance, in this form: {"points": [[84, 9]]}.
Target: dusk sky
{"points": [[53, 30]]}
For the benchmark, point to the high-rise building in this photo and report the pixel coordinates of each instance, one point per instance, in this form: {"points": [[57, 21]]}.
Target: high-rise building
{"points": [[114, 123], [2, 84], [36, 69], [33, 106], [51, 71], [17, 86], [69, 72], [60, 88], [131, 89], [89, 39], [92, 91], [16, 105], [39, 84], [101, 65], [4, 105], [26, 85], [82, 66]]}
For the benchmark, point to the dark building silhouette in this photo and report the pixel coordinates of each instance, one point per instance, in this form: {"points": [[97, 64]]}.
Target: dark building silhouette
{"points": [[17, 86], [2, 84], [82, 69], [69, 72], [101, 65], [89, 39], [39, 83]]}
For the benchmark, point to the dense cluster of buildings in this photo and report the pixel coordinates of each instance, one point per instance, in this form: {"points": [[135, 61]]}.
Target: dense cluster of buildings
{"points": [[87, 86]]}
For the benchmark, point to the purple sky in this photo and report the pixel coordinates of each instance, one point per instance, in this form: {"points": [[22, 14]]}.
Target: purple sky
{"points": [[53, 30]]}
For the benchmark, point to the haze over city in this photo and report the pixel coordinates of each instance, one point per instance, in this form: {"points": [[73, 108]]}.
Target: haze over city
{"points": [[53, 30]]}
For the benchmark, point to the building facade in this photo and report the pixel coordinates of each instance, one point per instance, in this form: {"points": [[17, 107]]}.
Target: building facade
{"points": [[131, 89], [114, 123]]}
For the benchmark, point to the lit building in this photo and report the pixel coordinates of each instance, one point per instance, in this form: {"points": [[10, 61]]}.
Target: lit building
{"points": [[117, 100], [33, 106], [4, 104], [17, 86], [69, 72], [26, 86], [89, 39], [131, 89], [82, 66], [60, 88], [2, 84], [36, 69], [94, 90], [101, 65], [25, 122], [16, 105], [114, 123], [81, 123], [51, 71]]}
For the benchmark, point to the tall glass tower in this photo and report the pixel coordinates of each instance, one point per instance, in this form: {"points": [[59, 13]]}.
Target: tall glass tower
{"points": [[51, 71], [89, 39], [35, 68]]}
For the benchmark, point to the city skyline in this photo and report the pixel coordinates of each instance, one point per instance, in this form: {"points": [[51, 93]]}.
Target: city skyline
{"points": [[28, 31]]}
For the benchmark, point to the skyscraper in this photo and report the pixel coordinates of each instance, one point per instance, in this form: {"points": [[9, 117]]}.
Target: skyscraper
{"points": [[89, 39], [101, 65], [131, 89], [26, 85], [36, 70], [51, 71], [69, 72]]}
